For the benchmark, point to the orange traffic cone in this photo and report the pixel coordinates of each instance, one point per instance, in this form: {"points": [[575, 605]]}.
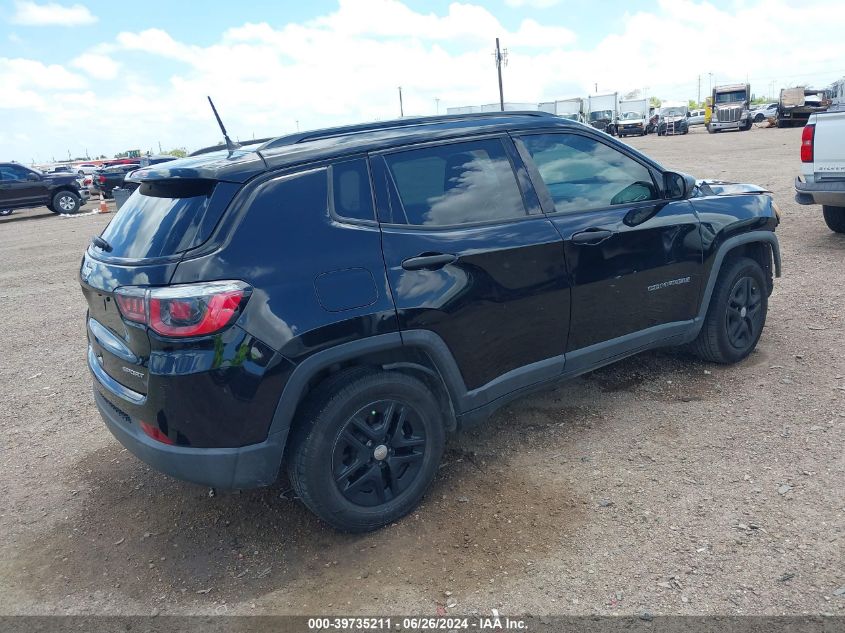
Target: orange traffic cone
{"points": [[104, 208]]}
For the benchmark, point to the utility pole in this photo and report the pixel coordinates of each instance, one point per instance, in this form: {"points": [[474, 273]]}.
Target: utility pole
{"points": [[596, 87], [159, 148], [501, 57], [401, 108], [437, 105], [699, 91], [710, 83]]}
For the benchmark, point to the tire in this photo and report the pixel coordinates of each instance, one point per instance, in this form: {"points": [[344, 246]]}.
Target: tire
{"points": [[736, 314], [4, 212], [759, 118], [710, 130], [353, 418], [834, 217], [65, 202]]}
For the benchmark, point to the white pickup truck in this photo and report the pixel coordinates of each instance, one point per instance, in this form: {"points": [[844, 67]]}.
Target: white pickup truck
{"points": [[822, 179]]}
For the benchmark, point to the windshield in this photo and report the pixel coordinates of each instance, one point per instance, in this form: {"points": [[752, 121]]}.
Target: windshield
{"points": [[571, 117], [738, 96], [601, 114], [673, 112], [628, 116]]}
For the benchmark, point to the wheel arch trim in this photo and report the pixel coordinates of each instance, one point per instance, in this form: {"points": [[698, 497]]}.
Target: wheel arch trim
{"points": [[767, 237], [446, 369]]}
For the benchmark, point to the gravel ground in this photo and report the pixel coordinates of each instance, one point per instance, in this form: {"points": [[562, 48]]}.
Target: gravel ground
{"points": [[660, 484]]}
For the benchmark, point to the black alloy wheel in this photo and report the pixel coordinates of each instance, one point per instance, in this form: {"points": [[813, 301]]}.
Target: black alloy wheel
{"points": [[736, 313], [744, 312], [365, 447], [378, 452]]}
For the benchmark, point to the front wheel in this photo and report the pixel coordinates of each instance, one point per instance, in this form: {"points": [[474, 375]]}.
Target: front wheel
{"points": [[834, 217], [65, 202], [736, 314], [365, 448], [4, 212]]}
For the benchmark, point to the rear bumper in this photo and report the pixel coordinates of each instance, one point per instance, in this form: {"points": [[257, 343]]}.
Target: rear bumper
{"points": [[831, 192], [245, 467]]}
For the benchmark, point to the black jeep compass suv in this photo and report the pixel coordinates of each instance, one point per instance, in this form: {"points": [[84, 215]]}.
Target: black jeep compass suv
{"points": [[338, 301]]}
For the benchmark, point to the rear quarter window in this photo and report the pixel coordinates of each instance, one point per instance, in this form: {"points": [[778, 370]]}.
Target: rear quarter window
{"points": [[165, 219]]}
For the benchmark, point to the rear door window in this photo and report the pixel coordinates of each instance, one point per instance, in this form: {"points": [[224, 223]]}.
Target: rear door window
{"points": [[162, 219], [458, 183]]}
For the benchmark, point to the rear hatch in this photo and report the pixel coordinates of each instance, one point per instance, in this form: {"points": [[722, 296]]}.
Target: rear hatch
{"points": [[159, 224], [829, 145]]}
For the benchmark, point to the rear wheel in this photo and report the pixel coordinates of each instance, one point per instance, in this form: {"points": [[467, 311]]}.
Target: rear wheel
{"points": [[366, 448], [6, 212], [65, 202], [834, 217], [736, 314]]}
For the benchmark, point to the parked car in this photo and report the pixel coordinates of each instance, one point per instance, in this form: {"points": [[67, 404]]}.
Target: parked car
{"points": [[338, 307], [695, 117], [105, 180], [766, 111], [822, 179], [59, 169], [86, 169], [22, 188]]}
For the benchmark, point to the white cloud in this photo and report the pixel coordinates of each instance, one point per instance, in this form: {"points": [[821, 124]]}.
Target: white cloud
{"points": [[346, 65], [51, 14], [97, 66], [537, 4]]}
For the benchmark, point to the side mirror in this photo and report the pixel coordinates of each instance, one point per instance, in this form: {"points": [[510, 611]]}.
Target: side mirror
{"points": [[34, 177], [677, 186]]}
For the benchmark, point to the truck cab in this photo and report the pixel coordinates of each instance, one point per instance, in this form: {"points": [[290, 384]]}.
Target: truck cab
{"points": [[730, 108]]}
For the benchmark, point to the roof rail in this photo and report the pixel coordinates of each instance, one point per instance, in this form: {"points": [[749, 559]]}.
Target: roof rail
{"points": [[360, 128]]}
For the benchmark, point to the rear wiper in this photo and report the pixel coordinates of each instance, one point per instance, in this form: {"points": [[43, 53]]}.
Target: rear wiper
{"points": [[102, 244]]}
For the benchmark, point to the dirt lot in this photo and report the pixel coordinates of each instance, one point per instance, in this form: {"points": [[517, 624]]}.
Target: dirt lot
{"points": [[661, 484]]}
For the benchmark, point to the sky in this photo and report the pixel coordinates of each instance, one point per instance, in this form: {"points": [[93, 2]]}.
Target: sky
{"points": [[92, 77]]}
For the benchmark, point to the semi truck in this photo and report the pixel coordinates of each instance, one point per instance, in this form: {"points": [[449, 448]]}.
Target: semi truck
{"points": [[572, 109], [797, 104], [602, 111], [730, 108], [633, 117]]}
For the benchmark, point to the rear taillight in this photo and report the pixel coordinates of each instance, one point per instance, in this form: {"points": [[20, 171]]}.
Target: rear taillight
{"points": [[102, 180], [132, 302], [807, 136], [186, 310]]}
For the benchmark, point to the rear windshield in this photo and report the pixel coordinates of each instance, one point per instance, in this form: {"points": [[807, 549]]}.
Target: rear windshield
{"points": [[163, 219]]}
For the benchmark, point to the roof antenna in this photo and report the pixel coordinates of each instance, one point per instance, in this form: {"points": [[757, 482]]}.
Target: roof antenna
{"points": [[231, 146]]}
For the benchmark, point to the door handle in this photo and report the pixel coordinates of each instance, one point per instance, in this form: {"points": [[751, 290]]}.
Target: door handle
{"points": [[429, 261], [591, 236]]}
